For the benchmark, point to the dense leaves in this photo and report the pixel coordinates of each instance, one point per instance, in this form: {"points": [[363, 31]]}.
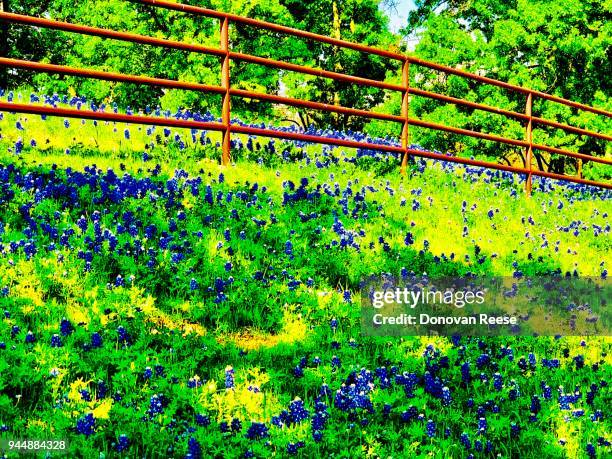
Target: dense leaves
{"points": [[355, 20], [558, 47]]}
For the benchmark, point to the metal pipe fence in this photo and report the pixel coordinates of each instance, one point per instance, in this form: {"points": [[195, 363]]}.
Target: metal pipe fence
{"points": [[227, 92]]}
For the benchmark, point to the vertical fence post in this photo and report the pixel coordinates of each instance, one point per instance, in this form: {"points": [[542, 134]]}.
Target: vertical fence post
{"points": [[225, 83], [529, 140], [4, 44], [405, 110], [579, 168]]}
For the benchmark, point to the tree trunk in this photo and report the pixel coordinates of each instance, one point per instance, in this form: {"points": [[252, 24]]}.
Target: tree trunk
{"points": [[4, 44]]}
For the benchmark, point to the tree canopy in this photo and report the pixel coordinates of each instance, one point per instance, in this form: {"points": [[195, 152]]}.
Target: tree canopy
{"points": [[562, 47], [356, 20]]}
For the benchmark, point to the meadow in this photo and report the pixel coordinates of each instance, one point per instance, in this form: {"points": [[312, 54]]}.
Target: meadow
{"points": [[157, 304]]}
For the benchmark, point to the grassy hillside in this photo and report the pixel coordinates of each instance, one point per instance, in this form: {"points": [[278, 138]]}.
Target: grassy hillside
{"points": [[160, 305]]}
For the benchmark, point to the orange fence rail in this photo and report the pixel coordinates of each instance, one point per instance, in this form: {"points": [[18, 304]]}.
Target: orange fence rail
{"points": [[226, 55]]}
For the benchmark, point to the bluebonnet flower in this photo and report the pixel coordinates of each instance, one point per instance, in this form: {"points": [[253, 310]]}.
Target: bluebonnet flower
{"points": [[498, 382], [465, 441], [447, 399], [298, 371], [229, 377], [590, 450], [194, 382], [466, 376], [202, 420], [159, 371], [86, 425], [482, 361], [30, 338], [325, 391], [123, 443], [156, 404], [293, 448], [297, 412], [289, 249], [579, 361], [532, 360], [18, 146], [66, 327], [193, 284], [591, 394], [601, 441], [102, 389], [482, 425], [430, 428], [96, 340], [354, 392], [123, 335], [535, 404], [546, 391], [56, 341], [236, 425], [257, 431], [410, 414], [194, 450], [552, 363]]}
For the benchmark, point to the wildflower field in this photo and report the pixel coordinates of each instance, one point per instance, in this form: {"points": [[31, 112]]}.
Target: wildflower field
{"points": [[156, 304]]}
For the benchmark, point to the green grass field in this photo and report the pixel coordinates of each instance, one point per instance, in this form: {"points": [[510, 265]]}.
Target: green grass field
{"points": [[158, 304]]}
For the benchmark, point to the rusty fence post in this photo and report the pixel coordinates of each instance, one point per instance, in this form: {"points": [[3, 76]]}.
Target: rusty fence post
{"points": [[529, 139], [225, 98], [405, 110]]}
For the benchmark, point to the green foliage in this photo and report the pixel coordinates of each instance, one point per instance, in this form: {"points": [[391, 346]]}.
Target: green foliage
{"points": [[559, 47], [357, 20]]}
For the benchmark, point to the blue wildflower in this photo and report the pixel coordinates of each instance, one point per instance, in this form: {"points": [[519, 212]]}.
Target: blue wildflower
{"points": [[86, 425], [257, 431], [194, 450], [123, 443], [430, 428], [56, 341], [229, 377]]}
